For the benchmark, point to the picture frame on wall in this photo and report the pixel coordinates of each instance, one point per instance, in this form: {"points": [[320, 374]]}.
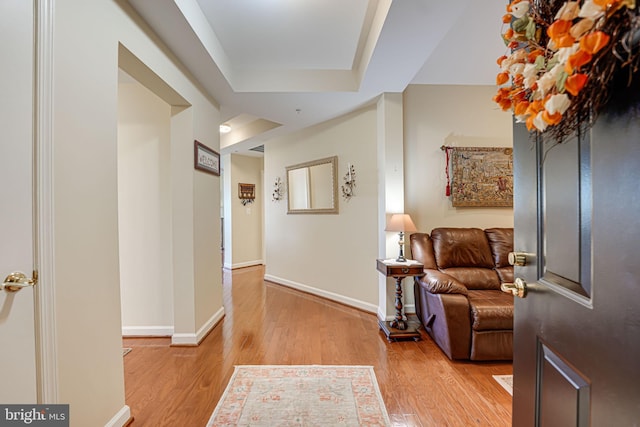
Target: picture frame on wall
{"points": [[206, 159]]}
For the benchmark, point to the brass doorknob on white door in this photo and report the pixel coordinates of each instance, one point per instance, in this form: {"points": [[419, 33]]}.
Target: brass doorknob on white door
{"points": [[518, 288], [18, 280], [518, 258]]}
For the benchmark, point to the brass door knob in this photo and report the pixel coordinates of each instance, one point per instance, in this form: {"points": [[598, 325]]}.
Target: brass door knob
{"points": [[18, 280], [518, 258], [518, 288]]}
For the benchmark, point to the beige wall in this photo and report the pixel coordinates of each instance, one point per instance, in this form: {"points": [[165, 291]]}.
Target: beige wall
{"points": [[144, 211], [330, 255], [245, 225], [305, 251], [86, 46], [463, 116]]}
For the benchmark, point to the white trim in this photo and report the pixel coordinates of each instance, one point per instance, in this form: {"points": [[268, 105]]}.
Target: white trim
{"points": [[195, 339], [407, 309], [121, 418], [147, 331], [184, 339], [246, 264], [46, 339], [351, 302]]}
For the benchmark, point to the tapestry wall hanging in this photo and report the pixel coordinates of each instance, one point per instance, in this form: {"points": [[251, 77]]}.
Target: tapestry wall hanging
{"points": [[481, 176]]}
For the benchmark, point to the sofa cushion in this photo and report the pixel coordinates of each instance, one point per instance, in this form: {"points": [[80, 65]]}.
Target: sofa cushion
{"points": [[505, 274], [461, 247], [422, 250], [475, 278], [501, 243], [491, 310]]}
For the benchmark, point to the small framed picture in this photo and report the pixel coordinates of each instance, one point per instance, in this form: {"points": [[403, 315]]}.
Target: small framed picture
{"points": [[206, 159]]}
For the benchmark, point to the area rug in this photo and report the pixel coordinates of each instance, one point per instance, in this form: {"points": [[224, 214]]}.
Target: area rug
{"points": [[310, 395], [506, 381]]}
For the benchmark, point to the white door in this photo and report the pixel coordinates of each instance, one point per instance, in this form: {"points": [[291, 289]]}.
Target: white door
{"points": [[17, 331]]}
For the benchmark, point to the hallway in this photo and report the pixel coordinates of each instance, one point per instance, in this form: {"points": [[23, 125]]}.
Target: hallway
{"points": [[271, 324]]}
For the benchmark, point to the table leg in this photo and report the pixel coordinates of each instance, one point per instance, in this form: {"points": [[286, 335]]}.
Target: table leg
{"points": [[398, 321]]}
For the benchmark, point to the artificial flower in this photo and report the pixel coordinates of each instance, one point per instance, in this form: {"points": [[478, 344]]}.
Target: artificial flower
{"points": [[516, 68], [520, 109], [520, 9], [539, 122], [502, 78], [605, 3], [551, 119], [530, 74], [581, 27], [559, 28], [593, 42], [591, 10], [541, 83], [548, 81], [569, 11], [575, 83], [533, 55], [558, 103], [559, 34], [577, 60], [563, 54]]}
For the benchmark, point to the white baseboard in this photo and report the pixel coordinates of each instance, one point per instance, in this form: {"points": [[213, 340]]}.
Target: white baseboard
{"points": [[407, 309], [325, 294], [147, 331], [121, 418], [245, 264], [194, 339]]}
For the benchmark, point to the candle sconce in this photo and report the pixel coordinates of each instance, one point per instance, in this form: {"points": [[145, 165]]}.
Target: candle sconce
{"points": [[247, 193], [349, 183], [278, 191]]}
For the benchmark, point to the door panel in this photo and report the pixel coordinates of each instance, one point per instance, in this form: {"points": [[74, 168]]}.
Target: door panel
{"points": [[576, 345], [564, 392], [17, 333]]}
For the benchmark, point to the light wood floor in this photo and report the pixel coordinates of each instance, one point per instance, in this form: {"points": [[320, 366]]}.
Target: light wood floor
{"points": [[271, 324]]}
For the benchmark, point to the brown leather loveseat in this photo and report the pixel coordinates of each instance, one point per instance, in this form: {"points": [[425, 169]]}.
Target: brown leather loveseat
{"points": [[458, 300]]}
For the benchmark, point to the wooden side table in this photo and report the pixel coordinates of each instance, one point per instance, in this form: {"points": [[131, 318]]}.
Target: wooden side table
{"points": [[398, 328]]}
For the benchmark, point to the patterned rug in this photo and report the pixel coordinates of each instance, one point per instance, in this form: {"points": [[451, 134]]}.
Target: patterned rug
{"points": [[312, 395], [506, 381]]}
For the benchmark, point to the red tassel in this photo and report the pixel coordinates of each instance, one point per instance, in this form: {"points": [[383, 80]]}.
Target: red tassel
{"points": [[447, 190]]}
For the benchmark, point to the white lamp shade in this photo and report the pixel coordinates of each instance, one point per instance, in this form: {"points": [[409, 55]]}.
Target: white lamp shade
{"points": [[400, 222]]}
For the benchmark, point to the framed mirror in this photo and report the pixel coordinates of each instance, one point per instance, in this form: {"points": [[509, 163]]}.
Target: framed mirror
{"points": [[312, 187]]}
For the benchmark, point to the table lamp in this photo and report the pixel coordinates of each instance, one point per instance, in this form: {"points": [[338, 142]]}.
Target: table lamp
{"points": [[401, 223]]}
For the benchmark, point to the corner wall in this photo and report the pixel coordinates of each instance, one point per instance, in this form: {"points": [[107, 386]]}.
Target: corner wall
{"points": [[86, 38], [246, 221], [144, 211], [326, 254]]}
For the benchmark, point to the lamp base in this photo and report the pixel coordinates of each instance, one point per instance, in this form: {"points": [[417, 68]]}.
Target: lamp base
{"points": [[401, 257]]}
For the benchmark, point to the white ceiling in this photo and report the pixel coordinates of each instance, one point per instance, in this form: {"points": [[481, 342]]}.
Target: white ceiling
{"points": [[277, 66]]}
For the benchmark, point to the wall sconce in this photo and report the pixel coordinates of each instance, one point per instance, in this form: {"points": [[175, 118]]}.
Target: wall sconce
{"points": [[349, 183], [246, 193], [401, 223], [277, 190]]}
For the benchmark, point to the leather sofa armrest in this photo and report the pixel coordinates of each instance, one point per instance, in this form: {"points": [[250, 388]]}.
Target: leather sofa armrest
{"points": [[437, 282]]}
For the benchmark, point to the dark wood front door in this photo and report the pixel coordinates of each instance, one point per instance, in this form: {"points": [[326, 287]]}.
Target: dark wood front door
{"points": [[577, 331]]}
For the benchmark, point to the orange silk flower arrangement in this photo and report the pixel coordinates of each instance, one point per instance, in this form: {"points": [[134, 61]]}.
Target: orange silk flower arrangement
{"points": [[548, 64]]}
